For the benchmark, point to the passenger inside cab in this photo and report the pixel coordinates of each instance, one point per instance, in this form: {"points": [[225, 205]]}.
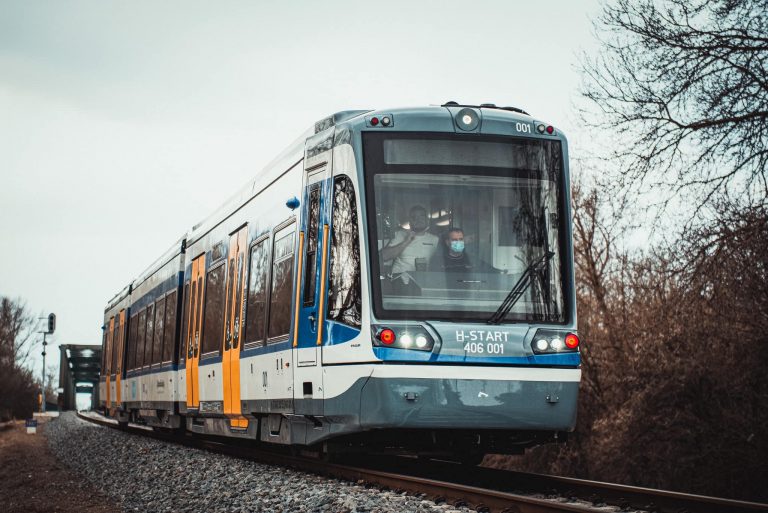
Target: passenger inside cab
{"points": [[452, 256]]}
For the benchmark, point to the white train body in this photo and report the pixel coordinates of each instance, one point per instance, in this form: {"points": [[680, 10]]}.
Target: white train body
{"points": [[278, 318]]}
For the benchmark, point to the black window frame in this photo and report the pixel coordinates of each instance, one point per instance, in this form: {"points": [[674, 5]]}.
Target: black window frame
{"points": [[149, 335], [171, 326], [110, 346], [311, 244], [374, 164], [206, 354], [115, 334], [133, 325], [141, 337], [186, 310], [262, 242], [274, 339], [157, 352], [104, 349], [355, 224]]}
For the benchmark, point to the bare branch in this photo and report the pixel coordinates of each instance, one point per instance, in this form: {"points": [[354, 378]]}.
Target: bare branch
{"points": [[681, 86]]}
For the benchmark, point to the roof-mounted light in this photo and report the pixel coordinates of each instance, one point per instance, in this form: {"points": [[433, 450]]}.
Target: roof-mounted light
{"points": [[545, 129], [380, 121], [467, 119]]}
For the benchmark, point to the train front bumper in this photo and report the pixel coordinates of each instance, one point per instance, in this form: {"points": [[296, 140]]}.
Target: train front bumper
{"points": [[470, 397]]}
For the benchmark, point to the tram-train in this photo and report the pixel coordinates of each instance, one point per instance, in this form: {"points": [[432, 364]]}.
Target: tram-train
{"points": [[396, 280]]}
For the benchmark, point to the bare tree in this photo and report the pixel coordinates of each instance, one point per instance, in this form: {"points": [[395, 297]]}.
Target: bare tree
{"points": [[16, 332], [17, 386], [682, 87]]}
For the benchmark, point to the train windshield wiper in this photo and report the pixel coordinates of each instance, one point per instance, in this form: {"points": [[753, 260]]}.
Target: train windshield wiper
{"points": [[520, 287]]}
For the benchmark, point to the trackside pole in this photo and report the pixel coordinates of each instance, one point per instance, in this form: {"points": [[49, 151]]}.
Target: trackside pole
{"points": [[49, 331]]}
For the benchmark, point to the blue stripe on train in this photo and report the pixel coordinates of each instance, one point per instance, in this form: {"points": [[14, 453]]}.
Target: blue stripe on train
{"points": [[391, 354]]}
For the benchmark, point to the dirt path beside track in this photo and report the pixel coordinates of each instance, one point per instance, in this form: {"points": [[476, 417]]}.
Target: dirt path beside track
{"points": [[32, 479]]}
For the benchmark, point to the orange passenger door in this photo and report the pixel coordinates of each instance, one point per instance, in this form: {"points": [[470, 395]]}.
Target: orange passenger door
{"points": [[193, 332], [233, 328]]}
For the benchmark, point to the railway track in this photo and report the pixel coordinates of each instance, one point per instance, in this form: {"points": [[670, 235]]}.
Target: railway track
{"points": [[484, 489]]}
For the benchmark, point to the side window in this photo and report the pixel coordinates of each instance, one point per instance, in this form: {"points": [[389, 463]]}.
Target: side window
{"points": [[344, 293], [104, 350], [140, 332], [282, 283], [170, 326], [108, 360], [228, 319], [115, 345], [238, 312], [311, 254], [149, 336], [131, 351], [157, 344], [213, 317], [121, 340], [256, 310], [185, 306], [194, 322]]}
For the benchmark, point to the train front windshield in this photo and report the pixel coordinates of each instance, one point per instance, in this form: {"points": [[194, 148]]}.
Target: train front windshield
{"points": [[455, 222]]}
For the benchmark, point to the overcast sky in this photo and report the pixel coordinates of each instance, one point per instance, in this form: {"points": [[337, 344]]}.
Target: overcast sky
{"points": [[122, 124]]}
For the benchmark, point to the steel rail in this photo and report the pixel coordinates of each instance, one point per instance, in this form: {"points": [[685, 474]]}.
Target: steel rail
{"points": [[484, 489], [593, 491]]}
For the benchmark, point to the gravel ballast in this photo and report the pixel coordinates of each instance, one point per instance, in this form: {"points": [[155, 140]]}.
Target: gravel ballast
{"points": [[143, 474]]}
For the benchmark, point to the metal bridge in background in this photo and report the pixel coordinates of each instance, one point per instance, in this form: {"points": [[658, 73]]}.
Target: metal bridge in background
{"points": [[78, 373]]}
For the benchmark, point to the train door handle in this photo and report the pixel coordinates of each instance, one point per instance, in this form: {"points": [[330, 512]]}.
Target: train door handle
{"points": [[312, 321]]}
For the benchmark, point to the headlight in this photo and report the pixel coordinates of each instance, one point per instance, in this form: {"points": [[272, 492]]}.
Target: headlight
{"points": [[467, 119], [415, 337], [554, 341]]}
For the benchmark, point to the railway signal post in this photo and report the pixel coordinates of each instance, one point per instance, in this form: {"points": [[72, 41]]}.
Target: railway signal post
{"points": [[49, 331]]}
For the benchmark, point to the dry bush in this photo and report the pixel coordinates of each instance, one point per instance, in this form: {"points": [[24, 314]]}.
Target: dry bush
{"points": [[674, 386]]}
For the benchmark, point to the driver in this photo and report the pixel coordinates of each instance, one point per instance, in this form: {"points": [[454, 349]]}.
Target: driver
{"points": [[411, 249]]}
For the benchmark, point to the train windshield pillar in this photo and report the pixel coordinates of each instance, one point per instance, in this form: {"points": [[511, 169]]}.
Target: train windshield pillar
{"points": [[456, 221]]}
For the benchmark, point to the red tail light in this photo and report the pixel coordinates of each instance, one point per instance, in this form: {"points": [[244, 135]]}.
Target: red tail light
{"points": [[571, 341], [387, 336]]}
